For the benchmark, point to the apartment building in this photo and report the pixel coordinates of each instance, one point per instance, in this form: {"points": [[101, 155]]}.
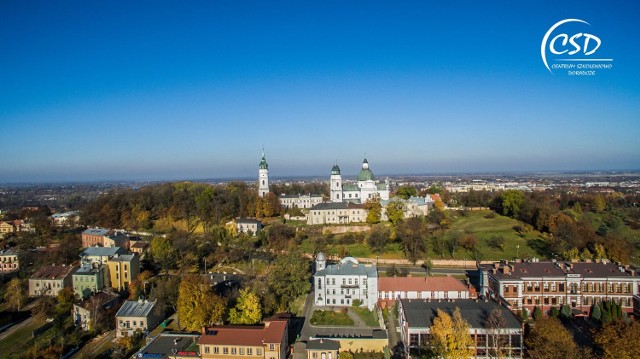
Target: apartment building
{"points": [[547, 284], [9, 262], [50, 280], [123, 269], [137, 316], [392, 288], [337, 213], [342, 283]]}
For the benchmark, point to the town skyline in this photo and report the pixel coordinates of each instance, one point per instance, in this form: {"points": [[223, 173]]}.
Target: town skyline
{"points": [[168, 92]]}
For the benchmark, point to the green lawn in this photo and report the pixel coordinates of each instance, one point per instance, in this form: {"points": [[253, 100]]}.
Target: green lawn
{"points": [[329, 317], [18, 341], [366, 315]]}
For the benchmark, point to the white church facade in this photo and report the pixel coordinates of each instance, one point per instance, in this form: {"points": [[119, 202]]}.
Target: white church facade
{"points": [[365, 188]]}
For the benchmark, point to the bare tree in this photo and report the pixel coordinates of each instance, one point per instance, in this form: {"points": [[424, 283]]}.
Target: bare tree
{"points": [[496, 325]]}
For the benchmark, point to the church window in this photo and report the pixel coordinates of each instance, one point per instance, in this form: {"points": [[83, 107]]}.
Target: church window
{"points": [[262, 181]]}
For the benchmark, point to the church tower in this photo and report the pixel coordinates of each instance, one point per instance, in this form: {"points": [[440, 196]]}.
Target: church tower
{"points": [[336, 184], [263, 177]]}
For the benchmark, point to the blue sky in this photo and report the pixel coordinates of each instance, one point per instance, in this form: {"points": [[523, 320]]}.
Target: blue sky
{"points": [[172, 90]]}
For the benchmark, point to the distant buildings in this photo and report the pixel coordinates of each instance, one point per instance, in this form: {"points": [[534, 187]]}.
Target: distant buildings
{"points": [[337, 213], [343, 283], [50, 280], [103, 237], [61, 219], [412, 207], [490, 337], [137, 316], [547, 284], [268, 341], [247, 225], [302, 201], [365, 188]]}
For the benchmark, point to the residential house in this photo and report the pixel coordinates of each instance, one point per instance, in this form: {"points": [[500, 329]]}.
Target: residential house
{"points": [[50, 280], [248, 226], [491, 338], [337, 213], [123, 269], [137, 316], [6, 228], [89, 278], [139, 247], [98, 308], [92, 237], [267, 341], [9, 262], [345, 282], [548, 284], [302, 201], [392, 288], [171, 345], [322, 349], [64, 218]]}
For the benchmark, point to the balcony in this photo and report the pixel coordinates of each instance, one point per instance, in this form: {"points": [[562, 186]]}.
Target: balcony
{"points": [[349, 286]]}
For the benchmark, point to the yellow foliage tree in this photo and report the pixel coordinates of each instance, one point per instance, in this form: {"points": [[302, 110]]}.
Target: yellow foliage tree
{"points": [[198, 305], [450, 337], [247, 310]]}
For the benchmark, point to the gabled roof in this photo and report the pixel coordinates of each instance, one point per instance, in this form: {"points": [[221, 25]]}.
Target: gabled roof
{"points": [[407, 284], [258, 335], [349, 266], [135, 308], [101, 251], [420, 313], [248, 221], [53, 272]]}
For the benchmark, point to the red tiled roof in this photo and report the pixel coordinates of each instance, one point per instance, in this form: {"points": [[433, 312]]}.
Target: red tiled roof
{"points": [[405, 284], [271, 332]]}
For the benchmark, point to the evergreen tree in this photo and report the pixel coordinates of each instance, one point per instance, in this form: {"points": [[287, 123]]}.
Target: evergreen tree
{"points": [[596, 312], [555, 312], [537, 313], [565, 311]]}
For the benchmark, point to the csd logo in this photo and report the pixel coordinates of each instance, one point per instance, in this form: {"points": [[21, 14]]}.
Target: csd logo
{"points": [[580, 43]]}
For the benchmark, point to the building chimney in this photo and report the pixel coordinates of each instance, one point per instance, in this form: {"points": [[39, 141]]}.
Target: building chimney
{"points": [[204, 330]]}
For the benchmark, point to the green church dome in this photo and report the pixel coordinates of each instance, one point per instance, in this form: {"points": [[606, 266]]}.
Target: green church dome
{"points": [[335, 170], [263, 163], [365, 173]]}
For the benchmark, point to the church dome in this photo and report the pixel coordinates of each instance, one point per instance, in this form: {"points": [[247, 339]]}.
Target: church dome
{"points": [[335, 170], [365, 173], [263, 163]]}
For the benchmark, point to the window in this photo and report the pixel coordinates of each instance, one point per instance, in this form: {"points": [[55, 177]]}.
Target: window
{"points": [[249, 351], [315, 355], [259, 351], [225, 350], [216, 350], [206, 349], [234, 351], [272, 347], [241, 351]]}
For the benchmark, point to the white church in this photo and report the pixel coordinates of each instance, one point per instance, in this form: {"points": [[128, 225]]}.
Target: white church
{"points": [[365, 188]]}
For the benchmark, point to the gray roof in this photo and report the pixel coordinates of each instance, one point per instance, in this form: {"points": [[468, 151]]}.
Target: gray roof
{"points": [[323, 344], [420, 313], [248, 221], [123, 258], [87, 269], [133, 308], [9, 252], [556, 269], [101, 251], [350, 187], [349, 266], [96, 231], [336, 205], [165, 343]]}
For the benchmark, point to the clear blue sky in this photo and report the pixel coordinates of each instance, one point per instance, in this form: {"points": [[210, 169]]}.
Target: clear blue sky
{"points": [[103, 90]]}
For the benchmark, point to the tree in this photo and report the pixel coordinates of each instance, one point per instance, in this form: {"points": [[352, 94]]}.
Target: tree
{"points": [[496, 324], [470, 243], [162, 252], [453, 242], [406, 191], [619, 340], [374, 210], [66, 298], [289, 279], [497, 242], [247, 309], [271, 205], [599, 252], [395, 211], [378, 238], [412, 233], [599, 204], [511, 201], [596, 312], [15, 294], [279, 235], [450, 335], [198, 305], [549, 339], [537, 313]]}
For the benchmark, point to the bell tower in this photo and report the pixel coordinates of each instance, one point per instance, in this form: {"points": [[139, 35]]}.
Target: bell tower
{"points": [[336, 184], [263, 177]]}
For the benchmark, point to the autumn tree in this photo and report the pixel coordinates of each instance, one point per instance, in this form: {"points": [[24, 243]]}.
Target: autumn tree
{"points": [[599, 204], [15, 294], [378, 238], [374, 210], [247, 309], [510, 202], [271, 205], [289, 278], [395, 211], [198, 305], [406, 191], [549, 339], [450, 336], [412, 234], [162, 252], [619, 340]]}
